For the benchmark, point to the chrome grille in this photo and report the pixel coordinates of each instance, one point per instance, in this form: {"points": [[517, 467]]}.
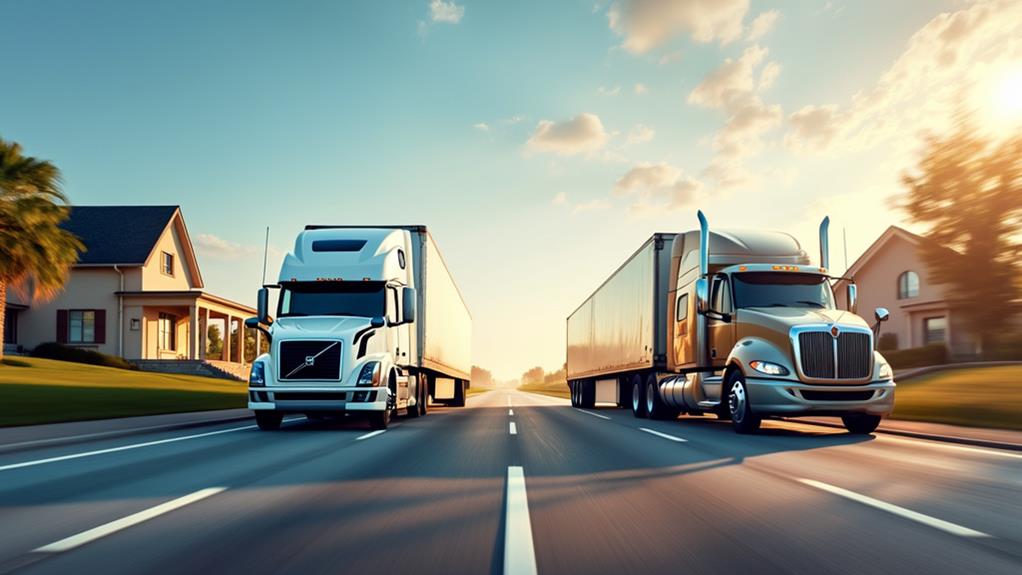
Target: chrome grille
{"points": [[822, 356], [309, 360], [817, 354], [853, 354]]}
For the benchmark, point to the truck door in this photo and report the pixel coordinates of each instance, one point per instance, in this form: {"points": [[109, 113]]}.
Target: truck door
{"points": [[400, 337], [721, 332]]}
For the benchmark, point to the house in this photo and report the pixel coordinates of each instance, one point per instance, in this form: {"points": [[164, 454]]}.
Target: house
{"points": [[137, 292], [892, 274]]}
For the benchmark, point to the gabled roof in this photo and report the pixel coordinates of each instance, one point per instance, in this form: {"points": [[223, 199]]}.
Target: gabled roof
{"points": [[890, 233], [118, 235]]}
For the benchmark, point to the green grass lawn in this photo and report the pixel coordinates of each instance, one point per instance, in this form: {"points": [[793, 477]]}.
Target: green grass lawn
{"points": [[34, 390], [977, 397]]}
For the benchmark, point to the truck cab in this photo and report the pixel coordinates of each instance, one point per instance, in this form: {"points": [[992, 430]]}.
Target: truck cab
{"points": [[343, 337]]}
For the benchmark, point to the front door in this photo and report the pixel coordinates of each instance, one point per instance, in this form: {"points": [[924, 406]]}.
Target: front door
{"points": [[720, 327]]}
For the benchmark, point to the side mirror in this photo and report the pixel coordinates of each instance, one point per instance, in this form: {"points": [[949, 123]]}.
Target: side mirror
{"points": [[702, 295], [853, 296], [255, 323], [378, 321], [881, 314], [408, 301], [263, 306]]}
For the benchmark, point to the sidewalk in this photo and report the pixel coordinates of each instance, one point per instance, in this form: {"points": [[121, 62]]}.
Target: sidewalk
{"points": [[34, 436], [983, 437]]}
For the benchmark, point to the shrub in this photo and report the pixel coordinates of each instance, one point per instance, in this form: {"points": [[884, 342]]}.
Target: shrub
{"points": [[1007, 347], [67, 353], [16, 362], [933, 354], [888, 341]]}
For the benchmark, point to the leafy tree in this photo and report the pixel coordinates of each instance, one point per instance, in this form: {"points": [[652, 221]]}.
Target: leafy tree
{"points": [[215, 344], [534, 375], [968, 189], [481, 377], [36, 254]]}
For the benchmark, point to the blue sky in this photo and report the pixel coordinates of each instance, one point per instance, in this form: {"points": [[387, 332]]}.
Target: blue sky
{"points": [[541, 141]]}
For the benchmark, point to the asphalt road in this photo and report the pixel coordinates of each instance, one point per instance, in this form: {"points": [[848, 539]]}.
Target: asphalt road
{"points": [[570, 491]]}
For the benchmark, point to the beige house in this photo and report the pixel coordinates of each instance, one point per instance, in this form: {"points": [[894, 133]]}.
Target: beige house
{"points": [[137, 293], [891, 274]]}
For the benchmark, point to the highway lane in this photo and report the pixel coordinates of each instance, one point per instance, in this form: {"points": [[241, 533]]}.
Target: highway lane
{"points": [[599, 494]]}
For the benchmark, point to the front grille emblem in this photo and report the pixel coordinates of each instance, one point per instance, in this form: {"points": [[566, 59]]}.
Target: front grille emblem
{"points": [[310, 360], [834, 331]]}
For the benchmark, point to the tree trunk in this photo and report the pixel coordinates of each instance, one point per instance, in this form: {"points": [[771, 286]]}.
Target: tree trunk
{"points": [[3, 314]]}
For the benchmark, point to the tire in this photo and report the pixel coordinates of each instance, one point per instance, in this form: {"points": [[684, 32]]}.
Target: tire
{"points": [[860, 423], [655, 406], [379, 419], [587, 394], [638, 398], [424, 395], [571, 393], [743, 419], [459, 393], [269, 420], [413, 410]]}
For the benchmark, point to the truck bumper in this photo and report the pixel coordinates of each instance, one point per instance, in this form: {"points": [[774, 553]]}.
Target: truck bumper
{"points": [[779, 397], [303, 399]]}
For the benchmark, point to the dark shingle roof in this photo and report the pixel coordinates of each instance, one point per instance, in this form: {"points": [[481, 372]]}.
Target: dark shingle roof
{"points": [[118, 234]]}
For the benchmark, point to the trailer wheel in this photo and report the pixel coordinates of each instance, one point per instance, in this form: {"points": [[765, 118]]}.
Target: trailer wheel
{"points": [[638, 397], [268, 420], [588, 395], [742, 417], [655, 406], [459, 393], [860, 423], [424, 395], [413, 410]]}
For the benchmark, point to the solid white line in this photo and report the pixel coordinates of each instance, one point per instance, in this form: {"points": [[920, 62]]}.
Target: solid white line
{"points": [[125, 522], [664, 435], [933, 443], [519, 554], [594, 414], [952, 528], [514, 428], [370, 434], [511, 412]]}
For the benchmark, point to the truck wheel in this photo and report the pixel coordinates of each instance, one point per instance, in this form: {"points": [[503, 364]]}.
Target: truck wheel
{"points": [[424, 396], [638, 397], [379, 419], [459, 393], [655, 406], [413, 410], [571, 393], [861, 423], [588, 395], [268, 420], [742, 417]]}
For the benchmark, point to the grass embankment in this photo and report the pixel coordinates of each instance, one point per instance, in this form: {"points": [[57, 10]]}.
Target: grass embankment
{"points": [[34, 390], [553, 388], [976, 397]]}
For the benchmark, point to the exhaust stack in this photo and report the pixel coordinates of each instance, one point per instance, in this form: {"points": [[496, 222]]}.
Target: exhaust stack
{"points": [[825, 243], [704, 245]]}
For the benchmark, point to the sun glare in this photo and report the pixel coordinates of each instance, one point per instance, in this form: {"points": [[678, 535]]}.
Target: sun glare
{"points": [[1007, 95]]}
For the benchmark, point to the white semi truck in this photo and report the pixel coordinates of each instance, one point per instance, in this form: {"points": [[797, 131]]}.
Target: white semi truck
{"points": [[368, 320]]}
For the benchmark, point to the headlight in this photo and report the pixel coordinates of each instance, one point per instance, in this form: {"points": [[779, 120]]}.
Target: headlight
{"points": [[886, 372], [768, 368], [370, 374], [257, 377]]}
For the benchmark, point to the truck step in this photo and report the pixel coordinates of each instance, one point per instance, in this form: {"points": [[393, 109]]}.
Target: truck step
{"points": [[708, 405]]}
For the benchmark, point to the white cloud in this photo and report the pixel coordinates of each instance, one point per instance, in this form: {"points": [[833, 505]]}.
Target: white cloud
{"points": [[657, 186], [604, 91], [217, 248], [645, 24], [560, 199], [812, 125], [640, 88], [481, 126], [640, 133], [670, 57], [584, 133], [762, 25], [441, 11]]}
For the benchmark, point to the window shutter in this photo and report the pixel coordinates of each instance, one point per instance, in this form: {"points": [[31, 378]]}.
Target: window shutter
{"points": [[61, 326], [100, 326]]}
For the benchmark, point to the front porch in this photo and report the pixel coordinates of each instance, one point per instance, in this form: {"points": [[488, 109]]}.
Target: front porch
{"points": [[188, 327]]}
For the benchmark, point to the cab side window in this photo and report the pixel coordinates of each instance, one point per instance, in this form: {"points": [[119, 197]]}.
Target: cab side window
{"points": [[393, 309], [720, 301]]}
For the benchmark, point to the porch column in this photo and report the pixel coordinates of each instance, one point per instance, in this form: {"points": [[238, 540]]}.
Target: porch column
{"points": [[205, 334], [193, 332], [228, 324]]}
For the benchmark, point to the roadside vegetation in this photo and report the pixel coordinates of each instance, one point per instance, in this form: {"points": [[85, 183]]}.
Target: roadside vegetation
{"points": [[536, 380], [35, 391], [974, 396]]}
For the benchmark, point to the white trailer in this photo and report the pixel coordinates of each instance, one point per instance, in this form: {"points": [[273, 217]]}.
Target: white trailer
{"points": [[369, 319]]}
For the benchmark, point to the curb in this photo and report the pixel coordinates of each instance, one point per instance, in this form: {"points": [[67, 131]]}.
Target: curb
{"points": [[929, 436], [56, 441]]}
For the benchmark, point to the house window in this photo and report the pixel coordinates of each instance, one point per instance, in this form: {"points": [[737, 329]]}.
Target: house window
{"points": [[167, 263], [908, 285], [10, 326], [935, 329], [166, 328], [81, 326]]}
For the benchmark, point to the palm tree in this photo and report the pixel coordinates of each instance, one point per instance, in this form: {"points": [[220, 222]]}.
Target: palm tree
{"points": [[35, 253]]}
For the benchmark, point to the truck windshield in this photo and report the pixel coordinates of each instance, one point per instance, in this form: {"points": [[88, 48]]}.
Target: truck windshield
{"points": [[770, 289], [361, 299]]}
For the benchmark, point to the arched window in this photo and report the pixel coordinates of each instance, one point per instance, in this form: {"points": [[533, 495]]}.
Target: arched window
{"points": [[908, 285]]}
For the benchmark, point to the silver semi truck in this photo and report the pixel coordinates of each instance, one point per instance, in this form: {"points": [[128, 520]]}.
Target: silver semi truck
{"points": [[733, 323], [368, 320]]}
